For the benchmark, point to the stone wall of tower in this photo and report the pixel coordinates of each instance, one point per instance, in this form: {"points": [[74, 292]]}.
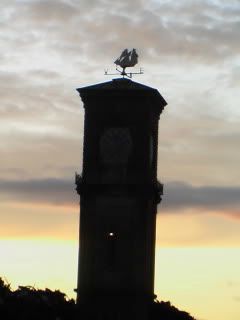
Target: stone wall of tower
{"points": [[119, 194]]}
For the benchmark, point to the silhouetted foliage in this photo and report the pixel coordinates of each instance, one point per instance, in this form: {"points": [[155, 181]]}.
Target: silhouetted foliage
{"points": [[165, 311], [27, 303]]}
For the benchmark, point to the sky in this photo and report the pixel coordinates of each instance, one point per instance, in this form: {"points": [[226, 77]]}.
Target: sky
{"points": [[190, 52]]}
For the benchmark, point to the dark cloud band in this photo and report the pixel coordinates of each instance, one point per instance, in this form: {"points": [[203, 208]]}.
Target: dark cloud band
{"points": [[180, 195], [177, 195]]}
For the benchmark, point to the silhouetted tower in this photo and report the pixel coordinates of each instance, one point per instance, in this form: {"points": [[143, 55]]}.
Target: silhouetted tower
{"points": [[119, 193]]}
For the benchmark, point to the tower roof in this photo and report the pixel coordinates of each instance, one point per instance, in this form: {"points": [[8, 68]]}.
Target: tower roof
{"points": [[121, 86]]}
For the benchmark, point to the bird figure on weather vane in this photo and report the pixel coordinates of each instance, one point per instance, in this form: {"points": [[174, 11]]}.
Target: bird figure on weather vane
{"points": [[128, 58]]}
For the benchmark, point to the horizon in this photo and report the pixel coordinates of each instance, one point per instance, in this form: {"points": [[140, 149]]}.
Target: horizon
{"points": [[189, 51]]}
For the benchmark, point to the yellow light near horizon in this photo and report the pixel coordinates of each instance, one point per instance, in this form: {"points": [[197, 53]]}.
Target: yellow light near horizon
{"points": [[40, 263], [202, 281], [38, 221], [39, 247], [197, 228]]}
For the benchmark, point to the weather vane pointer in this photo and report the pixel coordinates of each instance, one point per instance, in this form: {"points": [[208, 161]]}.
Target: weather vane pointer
{"points": [[128, 58]]}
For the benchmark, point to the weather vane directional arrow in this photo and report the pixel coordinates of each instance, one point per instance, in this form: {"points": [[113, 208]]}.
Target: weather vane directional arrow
{"points": [[128, 58]]}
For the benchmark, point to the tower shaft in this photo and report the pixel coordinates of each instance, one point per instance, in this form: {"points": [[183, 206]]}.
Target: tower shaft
{"points": [[119, 194]]}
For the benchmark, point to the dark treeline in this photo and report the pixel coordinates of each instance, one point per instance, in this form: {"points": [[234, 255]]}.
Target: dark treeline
{"points": [[27, 303]]}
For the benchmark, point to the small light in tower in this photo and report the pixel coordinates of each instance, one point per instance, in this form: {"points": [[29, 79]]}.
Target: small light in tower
{"points": [[111, 234]]}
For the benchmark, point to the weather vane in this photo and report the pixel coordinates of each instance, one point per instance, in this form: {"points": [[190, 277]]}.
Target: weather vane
{"points": [[128, 58]]}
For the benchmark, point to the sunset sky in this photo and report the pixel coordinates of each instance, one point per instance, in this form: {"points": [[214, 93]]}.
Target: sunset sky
{"points": [[190, 52]]}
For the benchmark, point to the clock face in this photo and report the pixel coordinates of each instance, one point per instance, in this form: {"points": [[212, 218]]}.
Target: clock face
{"points": [[115, 146]]}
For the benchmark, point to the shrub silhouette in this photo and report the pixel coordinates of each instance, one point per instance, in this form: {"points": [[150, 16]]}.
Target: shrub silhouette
{"points": [[165, 311], [27, 303]]}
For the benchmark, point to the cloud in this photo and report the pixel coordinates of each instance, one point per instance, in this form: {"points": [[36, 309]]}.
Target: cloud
{"points": [[46, 191], [51, 47], [177, 195], [49, 11], [198, 31]]}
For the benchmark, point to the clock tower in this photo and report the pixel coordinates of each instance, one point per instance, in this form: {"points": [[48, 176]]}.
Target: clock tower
{"points": [[119, 193]]}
